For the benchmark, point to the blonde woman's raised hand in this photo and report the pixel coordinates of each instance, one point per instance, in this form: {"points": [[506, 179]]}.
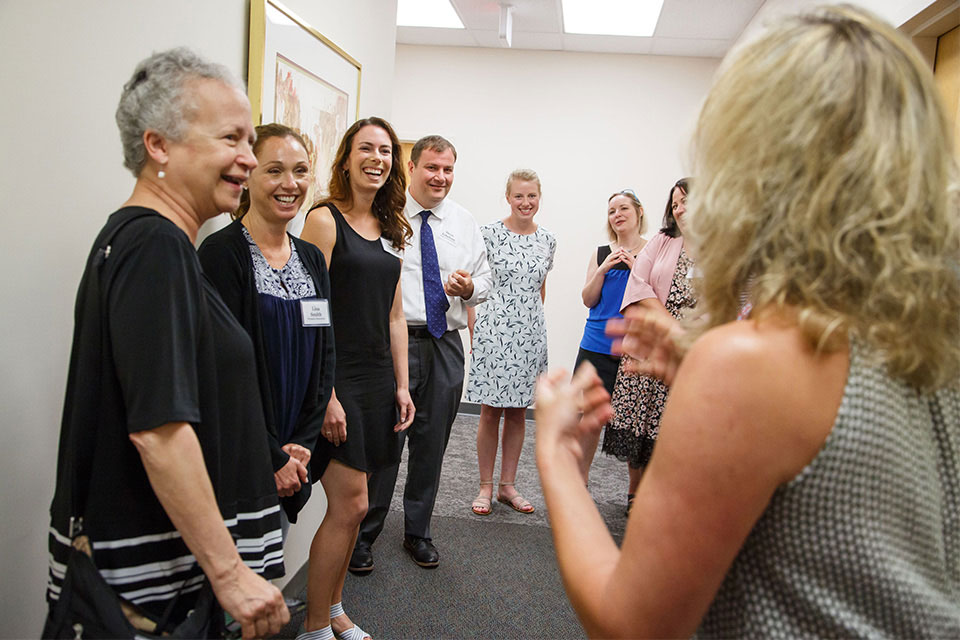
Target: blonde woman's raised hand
{"points": [[653, 339], [568, 410]]}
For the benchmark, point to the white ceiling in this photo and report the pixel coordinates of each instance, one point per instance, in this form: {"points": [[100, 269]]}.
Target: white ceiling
{"points": [[697, 28]]}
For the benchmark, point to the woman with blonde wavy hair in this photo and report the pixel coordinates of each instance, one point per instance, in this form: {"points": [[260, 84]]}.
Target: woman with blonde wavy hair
{"points": [[805, 480], [361, 230]]}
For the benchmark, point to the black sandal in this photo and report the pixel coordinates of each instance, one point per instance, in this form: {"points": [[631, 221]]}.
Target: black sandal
{"points": [[629, 504]]}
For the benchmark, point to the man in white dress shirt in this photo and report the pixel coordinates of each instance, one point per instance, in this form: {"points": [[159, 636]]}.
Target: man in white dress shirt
{"points": [[444, 270]]}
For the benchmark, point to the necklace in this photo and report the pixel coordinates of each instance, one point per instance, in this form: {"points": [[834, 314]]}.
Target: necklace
{"points": [[632, 250]]}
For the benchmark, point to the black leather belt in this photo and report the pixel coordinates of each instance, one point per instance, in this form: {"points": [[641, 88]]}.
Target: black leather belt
{"points": [[419, 332]]}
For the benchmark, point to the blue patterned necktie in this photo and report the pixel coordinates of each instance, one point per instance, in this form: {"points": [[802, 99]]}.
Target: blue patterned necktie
{"points": [[433, 295]]}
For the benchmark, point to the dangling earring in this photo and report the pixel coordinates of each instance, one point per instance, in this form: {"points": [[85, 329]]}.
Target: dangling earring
{"points": [[161, 174]]}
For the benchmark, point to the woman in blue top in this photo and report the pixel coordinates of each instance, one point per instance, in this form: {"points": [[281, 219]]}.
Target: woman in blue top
{"points": [[607, 275]]}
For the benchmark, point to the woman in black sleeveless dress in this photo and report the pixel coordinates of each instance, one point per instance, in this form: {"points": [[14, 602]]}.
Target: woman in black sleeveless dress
{"points": [[361, 229]]}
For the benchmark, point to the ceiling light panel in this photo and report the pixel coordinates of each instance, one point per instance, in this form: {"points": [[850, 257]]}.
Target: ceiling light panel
{"points": [[427, 13], [611, 17]]}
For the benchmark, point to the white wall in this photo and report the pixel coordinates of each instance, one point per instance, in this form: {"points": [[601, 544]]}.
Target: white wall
{"points": [[589, 124], [63, 65]]}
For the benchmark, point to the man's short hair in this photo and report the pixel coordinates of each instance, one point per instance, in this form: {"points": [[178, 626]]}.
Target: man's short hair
{"points": [[434, 143]]}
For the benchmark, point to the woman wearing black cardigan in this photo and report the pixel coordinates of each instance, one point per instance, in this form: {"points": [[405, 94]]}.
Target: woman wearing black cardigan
{"points": [[278, 288]]}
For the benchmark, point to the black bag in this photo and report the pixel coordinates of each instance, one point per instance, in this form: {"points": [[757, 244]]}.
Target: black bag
{"points": [[88, 607]]}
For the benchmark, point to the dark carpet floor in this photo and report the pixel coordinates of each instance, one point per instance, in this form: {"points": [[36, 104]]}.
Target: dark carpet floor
{"points": [[497, 576]]}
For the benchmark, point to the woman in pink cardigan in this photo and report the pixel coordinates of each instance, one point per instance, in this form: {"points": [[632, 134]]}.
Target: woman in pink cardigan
{"points": [[658, 281]]}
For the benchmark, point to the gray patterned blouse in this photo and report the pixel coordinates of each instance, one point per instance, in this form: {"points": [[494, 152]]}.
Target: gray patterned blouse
{"points": [[865, 541]]}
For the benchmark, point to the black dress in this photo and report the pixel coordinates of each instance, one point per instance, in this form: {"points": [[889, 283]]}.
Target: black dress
{"points": [[363, 282]]}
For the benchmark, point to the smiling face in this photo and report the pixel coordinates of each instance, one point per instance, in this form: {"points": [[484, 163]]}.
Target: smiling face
{"points": [[678, 206], [208, 167], [370, 159], [279, 184], [432, 177], [623, 216], [524, 199]]}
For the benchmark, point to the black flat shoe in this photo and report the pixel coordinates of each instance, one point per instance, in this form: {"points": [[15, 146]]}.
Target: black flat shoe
{"points": [[361, 560], [422, 551]]}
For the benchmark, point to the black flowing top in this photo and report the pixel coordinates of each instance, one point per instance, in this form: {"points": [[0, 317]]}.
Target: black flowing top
{"points": [[154, 344]]}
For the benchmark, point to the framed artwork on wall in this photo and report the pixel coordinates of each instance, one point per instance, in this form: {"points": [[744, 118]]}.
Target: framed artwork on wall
{"points": [[298, 77]]}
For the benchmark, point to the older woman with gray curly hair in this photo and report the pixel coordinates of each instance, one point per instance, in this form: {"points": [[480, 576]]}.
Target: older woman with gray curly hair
{"points": [[805, 479], [163, 448]]}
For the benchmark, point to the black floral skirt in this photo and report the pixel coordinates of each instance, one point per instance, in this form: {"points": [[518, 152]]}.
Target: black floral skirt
{"points": [[638, 403]]}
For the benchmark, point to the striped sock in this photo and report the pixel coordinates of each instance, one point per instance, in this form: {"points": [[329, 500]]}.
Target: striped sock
{"points": [[320, 634]]}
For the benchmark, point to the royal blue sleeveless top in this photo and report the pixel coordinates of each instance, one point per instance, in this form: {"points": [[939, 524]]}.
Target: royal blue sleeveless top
{"points": [[607, 307]]}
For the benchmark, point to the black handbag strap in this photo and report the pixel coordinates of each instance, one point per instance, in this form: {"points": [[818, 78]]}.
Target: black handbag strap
{"points": [[81, 448]]}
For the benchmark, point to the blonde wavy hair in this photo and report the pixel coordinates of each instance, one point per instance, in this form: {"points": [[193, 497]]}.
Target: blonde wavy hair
{"points": [[823, 157]]}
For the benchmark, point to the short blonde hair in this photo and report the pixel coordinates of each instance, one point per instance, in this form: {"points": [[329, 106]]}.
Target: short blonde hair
{"points": [[823, 159], [524, 175]]}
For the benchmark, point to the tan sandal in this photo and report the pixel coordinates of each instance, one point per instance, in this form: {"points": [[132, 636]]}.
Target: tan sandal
{"points": [[481, 504], [517, 502]]}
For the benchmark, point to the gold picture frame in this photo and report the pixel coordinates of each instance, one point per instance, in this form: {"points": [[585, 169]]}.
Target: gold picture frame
{"points": [[298, 77]]}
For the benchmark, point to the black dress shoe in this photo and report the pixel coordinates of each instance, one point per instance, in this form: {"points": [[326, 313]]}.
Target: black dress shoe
{"points": [[361, 560], [422, 551]]}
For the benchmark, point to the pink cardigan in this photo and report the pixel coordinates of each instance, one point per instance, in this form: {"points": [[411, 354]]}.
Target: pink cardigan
{"points": [[653, 270]]}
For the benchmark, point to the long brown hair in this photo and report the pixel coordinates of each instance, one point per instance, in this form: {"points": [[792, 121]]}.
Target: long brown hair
{"points": [[264, 133], [670, 226], [391, 197]]}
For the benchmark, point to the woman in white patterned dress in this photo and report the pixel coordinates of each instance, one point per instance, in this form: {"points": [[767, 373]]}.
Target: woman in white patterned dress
{"points": [[510, 338]]}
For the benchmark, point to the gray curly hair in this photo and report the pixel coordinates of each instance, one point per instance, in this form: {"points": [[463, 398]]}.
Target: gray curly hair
{"points": [[156, 97]]}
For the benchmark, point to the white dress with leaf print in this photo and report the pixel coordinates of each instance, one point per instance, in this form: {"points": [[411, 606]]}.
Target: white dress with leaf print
{"points": [[510, 336]]}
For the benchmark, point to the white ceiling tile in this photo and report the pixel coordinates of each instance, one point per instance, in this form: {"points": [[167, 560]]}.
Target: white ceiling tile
{"points": [[700, 28], [529, 40], [536, 15], [431, 36], [606, 44], [478, 14], [489, 39], [528, 15], [693, 47], [710, 19]]}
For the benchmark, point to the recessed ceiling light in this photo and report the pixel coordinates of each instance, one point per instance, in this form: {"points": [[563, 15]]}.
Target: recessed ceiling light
{"points": [[427, 13], [611, 17]]}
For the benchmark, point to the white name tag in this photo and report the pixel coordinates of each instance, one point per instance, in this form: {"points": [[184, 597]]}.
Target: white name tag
{"points": [[316, 312], [449, 237], [388, 247]]}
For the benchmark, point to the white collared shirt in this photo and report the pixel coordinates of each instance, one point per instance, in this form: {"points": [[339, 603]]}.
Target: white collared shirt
{"points": [[459, 246]]}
